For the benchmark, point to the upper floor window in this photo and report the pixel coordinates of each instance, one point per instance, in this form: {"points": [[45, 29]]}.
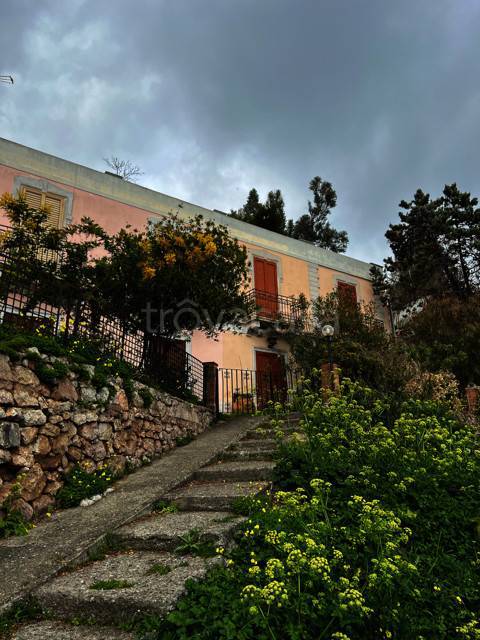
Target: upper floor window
{"points": [[347, 292], [55, 204]]}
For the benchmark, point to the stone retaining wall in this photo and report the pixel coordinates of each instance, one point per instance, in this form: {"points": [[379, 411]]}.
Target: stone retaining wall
{"points": [[45, 430]]}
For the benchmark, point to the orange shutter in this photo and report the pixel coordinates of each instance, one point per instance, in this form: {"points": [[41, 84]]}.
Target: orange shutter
{"points": [[266, 290]]}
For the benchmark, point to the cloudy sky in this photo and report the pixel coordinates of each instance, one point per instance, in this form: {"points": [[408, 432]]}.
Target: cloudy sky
{"points": [[212, 97]]}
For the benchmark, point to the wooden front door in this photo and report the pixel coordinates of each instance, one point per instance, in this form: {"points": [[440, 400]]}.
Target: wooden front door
{"points": [[271, 379], [266, 287]]}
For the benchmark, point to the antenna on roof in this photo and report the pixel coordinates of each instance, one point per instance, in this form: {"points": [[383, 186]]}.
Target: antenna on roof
{"points": [[6, 79]]}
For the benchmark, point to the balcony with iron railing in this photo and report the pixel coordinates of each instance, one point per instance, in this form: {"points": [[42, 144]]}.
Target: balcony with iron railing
{"points": [[269, 309]]}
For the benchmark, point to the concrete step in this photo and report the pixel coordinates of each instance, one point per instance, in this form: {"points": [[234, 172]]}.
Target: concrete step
{"points": [[237, 471], [147, 584], [162, 532], [249, 454], [213, 496], [59, 631], [295, 416], [256, 445], [267, 433]]}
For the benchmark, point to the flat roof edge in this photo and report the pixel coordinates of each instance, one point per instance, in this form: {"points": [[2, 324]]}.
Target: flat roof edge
{"points": [[46, 165]]}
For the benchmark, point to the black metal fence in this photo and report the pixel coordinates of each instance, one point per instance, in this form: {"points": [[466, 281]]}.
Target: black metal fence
{"points": [[247, 390], [26, 303], [274, 307]]}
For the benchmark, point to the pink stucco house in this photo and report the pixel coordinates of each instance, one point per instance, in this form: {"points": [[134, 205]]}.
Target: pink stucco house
{"points": [[281, 267]]}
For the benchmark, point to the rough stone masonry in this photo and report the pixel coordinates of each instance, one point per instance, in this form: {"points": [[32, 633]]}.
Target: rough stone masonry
{"points": [[45, 430]]}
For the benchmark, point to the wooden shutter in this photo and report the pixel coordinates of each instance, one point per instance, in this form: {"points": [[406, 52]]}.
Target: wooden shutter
{"points": [[347, 292], [33, 197], [55, 205], [266, 291]]}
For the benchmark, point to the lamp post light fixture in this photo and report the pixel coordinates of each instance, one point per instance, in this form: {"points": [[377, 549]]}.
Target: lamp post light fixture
{"points": [[328, 332]]}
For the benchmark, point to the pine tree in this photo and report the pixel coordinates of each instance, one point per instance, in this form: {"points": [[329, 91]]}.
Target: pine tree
{"points": [[435, 247], [250, 210], [269, 215], [272, 213], [314, 225]]}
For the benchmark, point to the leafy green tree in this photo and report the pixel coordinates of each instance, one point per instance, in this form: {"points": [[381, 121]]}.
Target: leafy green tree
{"points": [[177, 275], [44, 263], [314, 225], [362, 348], [444, 336]]}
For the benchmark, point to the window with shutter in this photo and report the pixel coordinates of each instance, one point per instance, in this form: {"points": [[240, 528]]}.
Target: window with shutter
{"points": [[55, 205]]}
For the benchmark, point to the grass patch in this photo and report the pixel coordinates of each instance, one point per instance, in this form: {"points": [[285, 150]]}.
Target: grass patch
{"points": [[182, 441], [162, 507], [13, 523], [28, 610], [159, 570], [193, 544], [107, 585]]}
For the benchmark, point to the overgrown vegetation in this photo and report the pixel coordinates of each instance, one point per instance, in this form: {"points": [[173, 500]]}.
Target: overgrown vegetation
{"points": [[172, 266], [374, 534], [362, 347], [66, 354], [444, 336], [82, 482], [28, 610], [159, 569], [195, 544], [432, 280], [137, 287], [12, 522]]}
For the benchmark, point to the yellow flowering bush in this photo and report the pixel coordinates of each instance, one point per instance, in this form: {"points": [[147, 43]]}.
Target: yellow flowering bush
{"points": [[371, 532]]}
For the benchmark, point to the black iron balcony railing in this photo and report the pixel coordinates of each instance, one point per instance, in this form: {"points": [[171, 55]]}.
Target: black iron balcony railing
{"points": [[271, 307]]}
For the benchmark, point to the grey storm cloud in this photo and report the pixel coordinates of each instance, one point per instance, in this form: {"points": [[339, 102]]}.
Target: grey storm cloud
{"points": [[212, 97]]}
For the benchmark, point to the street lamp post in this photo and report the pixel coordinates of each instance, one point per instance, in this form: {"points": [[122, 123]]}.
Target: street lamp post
{"points": [[328, 332]]}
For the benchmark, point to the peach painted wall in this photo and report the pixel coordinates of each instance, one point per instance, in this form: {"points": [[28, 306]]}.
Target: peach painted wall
{"points": [[207, 349], [292, 273], [328, 283], [238, 350]]}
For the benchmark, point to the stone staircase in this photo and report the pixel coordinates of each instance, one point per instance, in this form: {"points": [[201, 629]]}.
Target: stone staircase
{"points": [[144, 570]]}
